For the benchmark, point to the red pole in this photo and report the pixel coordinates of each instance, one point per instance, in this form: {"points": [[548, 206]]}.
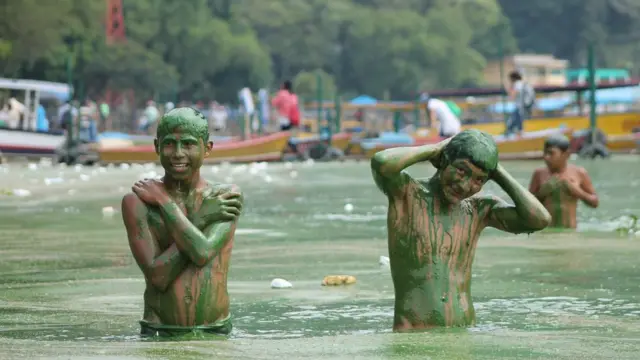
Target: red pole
{"points": [[115, 22]]}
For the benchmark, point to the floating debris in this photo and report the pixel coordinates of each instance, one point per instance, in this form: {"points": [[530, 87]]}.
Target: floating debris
{"points": [[108, 212], [21, 192], [279, 283], [336, 280], [384, 261], [348, 208]]}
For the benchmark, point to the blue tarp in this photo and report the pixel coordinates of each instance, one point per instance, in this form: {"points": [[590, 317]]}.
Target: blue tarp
{"points": [[616, 96], [364, 100], [547, 104], [388, 138]]}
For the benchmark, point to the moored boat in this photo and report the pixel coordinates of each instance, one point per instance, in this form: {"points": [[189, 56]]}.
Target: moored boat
{"points": [[264, 148], [29, 144], [23, 139]]}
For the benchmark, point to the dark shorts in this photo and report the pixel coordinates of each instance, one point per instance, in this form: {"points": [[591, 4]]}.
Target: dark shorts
{"points": [[287, 127], [148, 329]]}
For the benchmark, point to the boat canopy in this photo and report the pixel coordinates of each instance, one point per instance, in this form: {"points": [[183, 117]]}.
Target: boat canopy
{"points": [[47, 89]]}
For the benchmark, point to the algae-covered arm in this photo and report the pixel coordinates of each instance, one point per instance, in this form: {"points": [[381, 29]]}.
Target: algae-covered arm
{"points": [[387, 165], [160, 269], [199, 246], [525, 216]]}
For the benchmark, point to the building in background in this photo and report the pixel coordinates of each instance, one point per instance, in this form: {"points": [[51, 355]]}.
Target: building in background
{"points": [[536, 69]]}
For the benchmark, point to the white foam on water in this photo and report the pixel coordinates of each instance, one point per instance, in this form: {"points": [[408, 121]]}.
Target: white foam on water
{"points": [[350, 217], [556, 306], [264, 232]]}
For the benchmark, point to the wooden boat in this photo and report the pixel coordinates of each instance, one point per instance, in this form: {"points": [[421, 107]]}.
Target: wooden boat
{"points": [[528, 146], [265, 148], [617, 126], [304, 141], [27, 141], [29, 144]]}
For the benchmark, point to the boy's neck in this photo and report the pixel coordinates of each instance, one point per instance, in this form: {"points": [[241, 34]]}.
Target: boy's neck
{"points": [[181, 186], [559, 170], [435, 187]]}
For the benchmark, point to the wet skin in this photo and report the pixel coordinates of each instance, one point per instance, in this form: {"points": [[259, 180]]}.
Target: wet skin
{"points": [[433, 229], [181, 231], [560, 185]]}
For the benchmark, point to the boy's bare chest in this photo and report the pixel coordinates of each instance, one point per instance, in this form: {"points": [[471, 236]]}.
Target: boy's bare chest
{"points": [[427, 229], [558, 185]]}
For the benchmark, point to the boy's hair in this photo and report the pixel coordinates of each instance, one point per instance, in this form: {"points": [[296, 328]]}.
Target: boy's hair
{"points": [[287, 86], [476, 146], [558, 141], [515, 76], [186, 118]]}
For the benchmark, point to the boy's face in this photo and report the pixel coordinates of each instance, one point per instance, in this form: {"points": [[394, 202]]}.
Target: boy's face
{"points": [[181, 153], [555, 158], [461, 179]]}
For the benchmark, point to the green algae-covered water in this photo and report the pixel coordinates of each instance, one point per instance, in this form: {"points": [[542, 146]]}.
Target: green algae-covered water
{"points": [[69, 288]]}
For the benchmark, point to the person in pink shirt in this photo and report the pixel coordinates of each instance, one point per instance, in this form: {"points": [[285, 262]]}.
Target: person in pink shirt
{"points": [[286, 104]]}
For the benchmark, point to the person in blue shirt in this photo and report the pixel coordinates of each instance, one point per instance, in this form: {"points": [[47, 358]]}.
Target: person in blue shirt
{"points": [[42, 123]]}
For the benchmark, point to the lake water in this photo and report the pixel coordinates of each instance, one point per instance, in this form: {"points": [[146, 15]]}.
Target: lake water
{"points": [[69, 287]]}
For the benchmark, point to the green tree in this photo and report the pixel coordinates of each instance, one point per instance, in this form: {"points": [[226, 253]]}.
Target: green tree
{"points": [[305, 84], [565, 28], [29, 31]]}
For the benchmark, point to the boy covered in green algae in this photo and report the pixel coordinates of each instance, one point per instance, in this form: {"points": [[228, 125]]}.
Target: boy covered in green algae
{"points": [[181, 231], [434, 224], [560, 185]]}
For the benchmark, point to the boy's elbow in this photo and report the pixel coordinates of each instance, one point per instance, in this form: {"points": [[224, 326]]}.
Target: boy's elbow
{"points": [[538, 221], [542, 220], [378, 161], [200, 258]]}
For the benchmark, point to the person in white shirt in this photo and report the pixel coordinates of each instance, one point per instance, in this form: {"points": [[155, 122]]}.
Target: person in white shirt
{"points": [[442, 117], [16, 111], [149, 116], [217, 116]]}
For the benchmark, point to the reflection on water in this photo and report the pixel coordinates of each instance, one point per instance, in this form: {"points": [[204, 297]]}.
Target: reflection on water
{"points": [[69, 287]]}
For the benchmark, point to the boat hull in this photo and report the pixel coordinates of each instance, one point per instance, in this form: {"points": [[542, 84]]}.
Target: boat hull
{"points": [[266, 148], [305, 141], [29, 144], [617, 127]]}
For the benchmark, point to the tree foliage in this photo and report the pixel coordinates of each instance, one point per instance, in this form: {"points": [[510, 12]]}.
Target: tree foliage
{"points": [[209, 49], [566, 28]]}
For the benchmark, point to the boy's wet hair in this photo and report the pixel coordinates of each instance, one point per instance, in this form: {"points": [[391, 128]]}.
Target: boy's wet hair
{"points": [[476, 146], [558, 141], [187, 119]]}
